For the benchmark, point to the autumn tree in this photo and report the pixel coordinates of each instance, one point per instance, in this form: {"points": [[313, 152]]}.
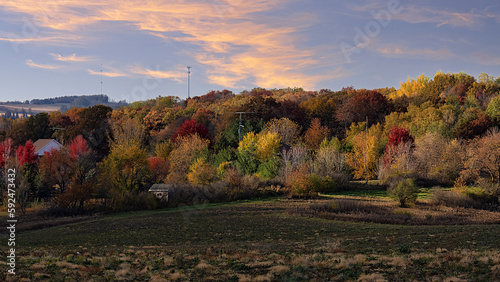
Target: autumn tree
{"points": [[201, 172], [411, 87], [258, 153], [56, 169], [472, 123], [6, 152], [315, 134], [438, 159], [493, 110], [362, 105], [483, 162], [93, 124], [399, 135], [397, 160], [25, 154], [191, 127], [159, 169], [366, 149], [188, 149], [287, 130]]}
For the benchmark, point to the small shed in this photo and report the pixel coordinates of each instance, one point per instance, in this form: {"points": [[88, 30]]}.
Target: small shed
{"points": [[45, 145], [161, 191]]}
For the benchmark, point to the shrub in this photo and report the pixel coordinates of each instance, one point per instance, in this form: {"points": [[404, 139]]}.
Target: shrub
{"points": [[323, 185], [301, 184], [450, 199], [405, 191]]}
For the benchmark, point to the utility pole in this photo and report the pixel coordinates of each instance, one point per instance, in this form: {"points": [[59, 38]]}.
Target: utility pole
{"points": [[366, 151], [189, 78], [241, 122]]}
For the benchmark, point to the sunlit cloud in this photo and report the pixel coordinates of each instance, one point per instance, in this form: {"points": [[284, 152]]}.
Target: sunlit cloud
{"points": [[69, 58], [172, 75], [32, 64], [48, 40], [108, 73]]}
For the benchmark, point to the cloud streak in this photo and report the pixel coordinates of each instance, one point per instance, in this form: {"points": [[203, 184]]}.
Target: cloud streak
{"points": [[69, 58], [172, 75], [108, 73], [439, 17], [391, 50], [32, 64]]}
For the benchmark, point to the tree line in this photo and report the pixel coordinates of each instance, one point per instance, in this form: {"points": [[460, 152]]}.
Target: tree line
{"points": [[438, 131]]}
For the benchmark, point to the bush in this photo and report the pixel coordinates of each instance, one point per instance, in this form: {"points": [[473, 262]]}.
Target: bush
{"points": [[301, 184], [323, 185], [451, 199], [405, 191]]}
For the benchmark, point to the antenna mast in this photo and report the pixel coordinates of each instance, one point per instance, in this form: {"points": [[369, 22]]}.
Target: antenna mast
{"points": [[189, 78], [101, 79]]}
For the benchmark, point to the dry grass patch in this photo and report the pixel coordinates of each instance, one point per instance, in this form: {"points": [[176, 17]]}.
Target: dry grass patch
{"points": [[359, 209]]}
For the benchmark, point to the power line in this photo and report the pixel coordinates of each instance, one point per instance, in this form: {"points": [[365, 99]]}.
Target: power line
{"points": [[241, 122]]}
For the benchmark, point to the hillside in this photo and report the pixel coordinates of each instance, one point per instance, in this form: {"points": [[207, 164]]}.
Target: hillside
{"points": [[25, 109]]}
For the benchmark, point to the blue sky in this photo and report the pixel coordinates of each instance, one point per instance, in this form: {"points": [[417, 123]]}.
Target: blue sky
{"points": [[59, 47]]}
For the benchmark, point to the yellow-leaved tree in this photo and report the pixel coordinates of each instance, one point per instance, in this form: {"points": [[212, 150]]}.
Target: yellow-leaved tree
{"points": [[410, 87], [259, 154], [366, 149]]}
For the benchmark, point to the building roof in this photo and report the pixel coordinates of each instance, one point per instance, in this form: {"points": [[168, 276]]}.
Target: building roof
{"points": [[42, 143], [161, 187]]}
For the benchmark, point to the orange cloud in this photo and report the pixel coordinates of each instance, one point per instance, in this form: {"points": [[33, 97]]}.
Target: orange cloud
{"points": [[32, 64]]}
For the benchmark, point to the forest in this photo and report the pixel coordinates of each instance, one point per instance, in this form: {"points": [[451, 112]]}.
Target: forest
{"points": [[222, 146]]}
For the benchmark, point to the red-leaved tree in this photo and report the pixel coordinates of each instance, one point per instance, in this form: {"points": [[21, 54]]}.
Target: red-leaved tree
{"points": [[26, 154], [399, 135], [190, 127], [5, 151], [159, 169], [78, 147]]}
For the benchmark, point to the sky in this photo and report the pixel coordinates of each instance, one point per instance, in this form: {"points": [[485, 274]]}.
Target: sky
{"points": [[140, 50]]}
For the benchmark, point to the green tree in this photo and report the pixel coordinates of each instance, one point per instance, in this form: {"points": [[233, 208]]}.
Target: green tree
{"points": [[493, 110]]}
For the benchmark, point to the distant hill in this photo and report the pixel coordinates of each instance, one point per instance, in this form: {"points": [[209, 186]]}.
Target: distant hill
{"points": [[17, 109]]}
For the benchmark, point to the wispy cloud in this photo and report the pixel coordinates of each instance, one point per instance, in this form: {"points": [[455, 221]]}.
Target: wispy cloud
{"points": [[69, 58], [48, 40], [32, 64], [108, 73], [440, 17], [484, 59], [391, 50], [172, 75]]}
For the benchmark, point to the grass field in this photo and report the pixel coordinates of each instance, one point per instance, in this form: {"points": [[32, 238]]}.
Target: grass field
{"points": [[253, 240]]}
